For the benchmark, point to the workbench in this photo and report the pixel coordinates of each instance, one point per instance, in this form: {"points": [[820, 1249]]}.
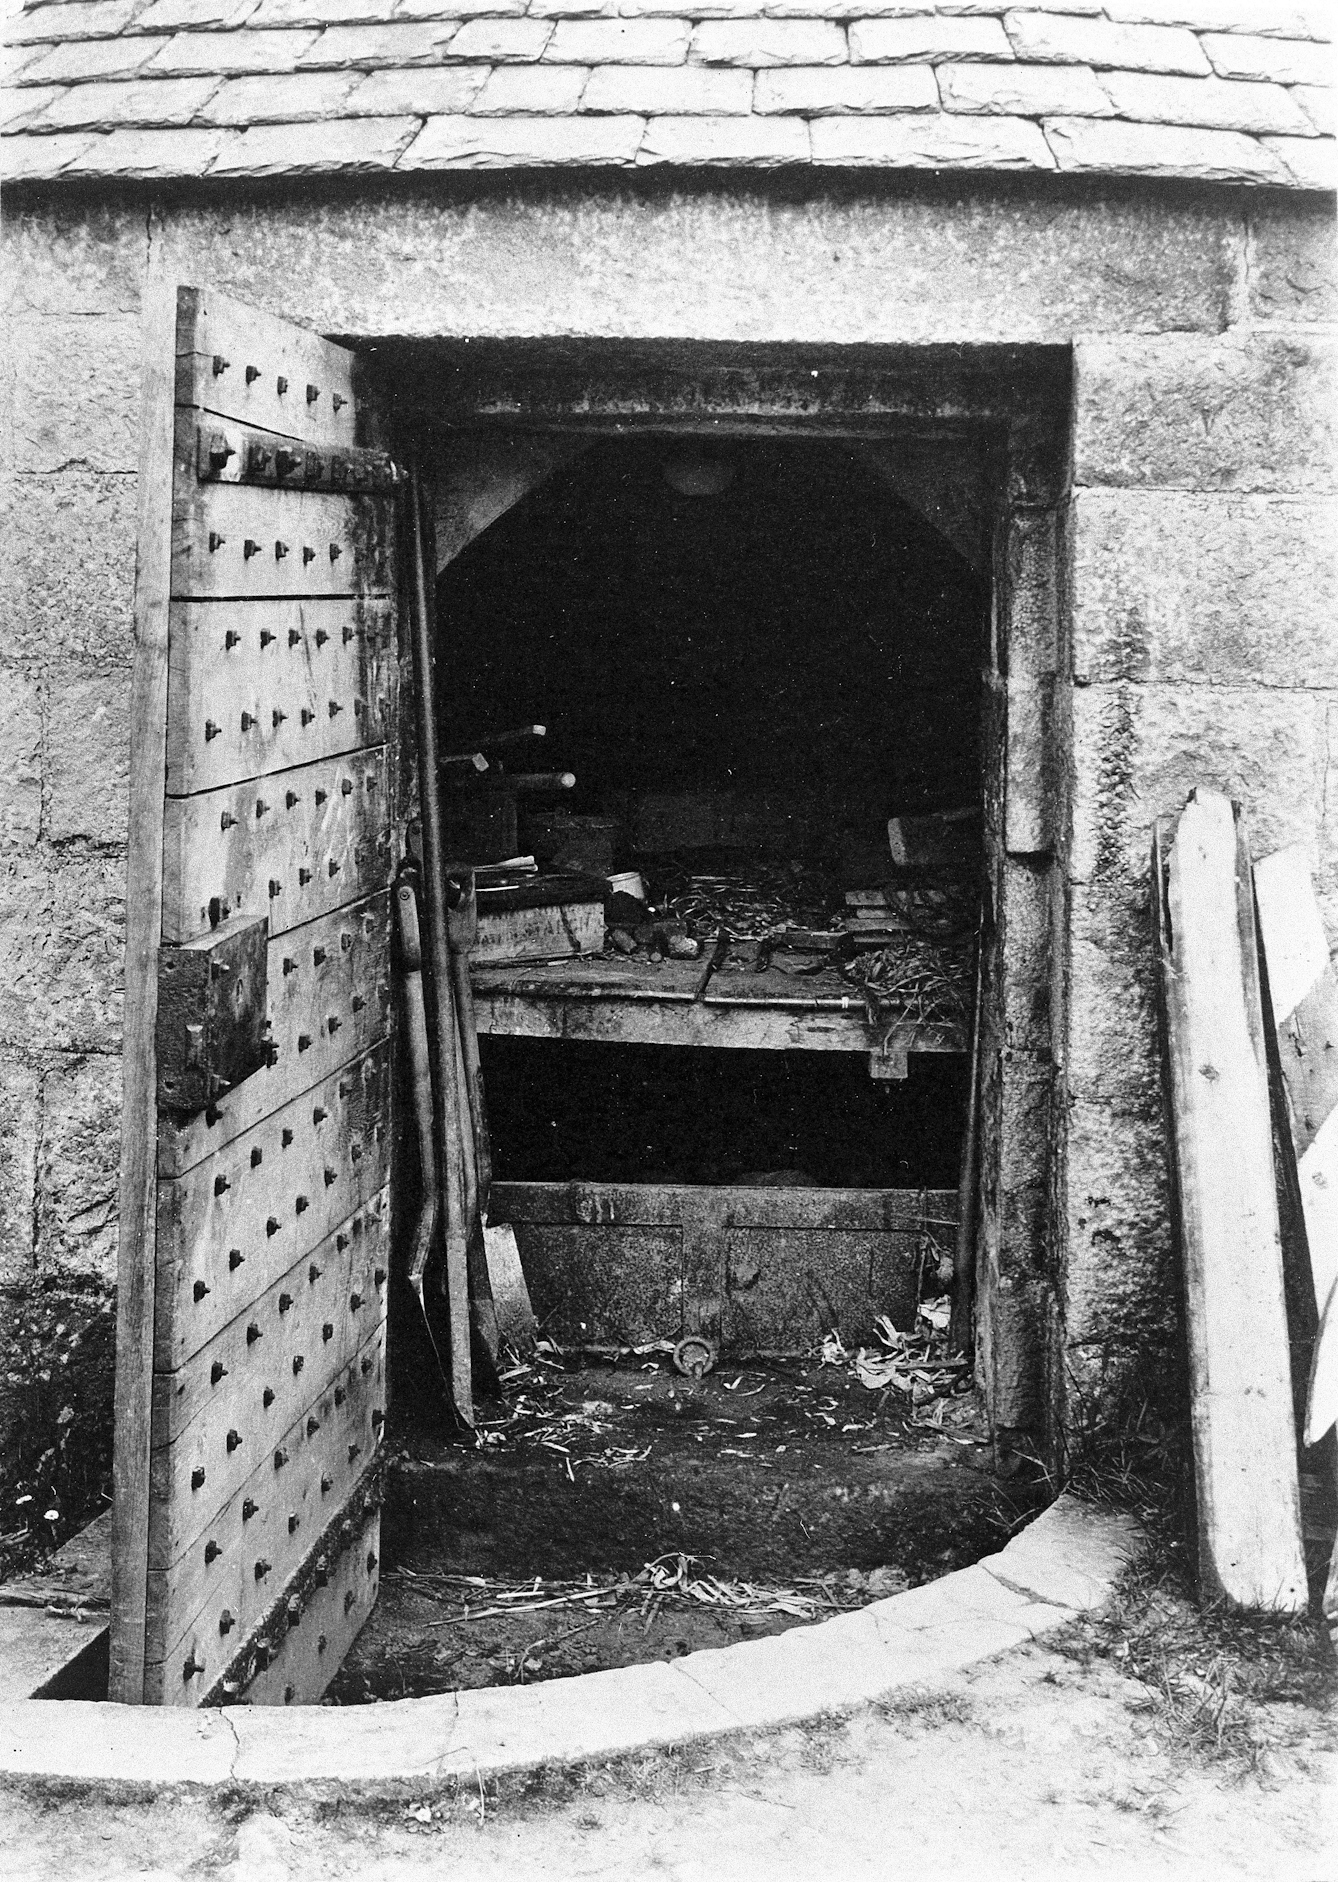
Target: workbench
{"points": [[624, 1002]]}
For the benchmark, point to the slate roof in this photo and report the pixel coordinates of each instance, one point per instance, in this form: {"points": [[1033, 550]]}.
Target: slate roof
{"points": [[1223, 90]]}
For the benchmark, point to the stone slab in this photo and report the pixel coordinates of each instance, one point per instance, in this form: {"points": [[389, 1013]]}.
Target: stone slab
{"points": [[20, 758], [1252, 413], [1218, 588], [50, 357], [86, 760], [36, 1646], [79, 1170], [97, 1742], [1099, 146], [67, 566], [1292, 261], [62, 925], [20, 1131], [1065, 1556]]}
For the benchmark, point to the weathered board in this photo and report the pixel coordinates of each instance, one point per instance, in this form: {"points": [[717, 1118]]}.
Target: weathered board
{"points": [[1220, 1135], [255, 1257]]}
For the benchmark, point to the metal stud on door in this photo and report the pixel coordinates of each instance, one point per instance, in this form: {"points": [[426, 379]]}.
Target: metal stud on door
{"points": [[255, 1237]]}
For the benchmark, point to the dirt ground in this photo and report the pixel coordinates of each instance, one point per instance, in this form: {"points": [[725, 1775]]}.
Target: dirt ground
{"points": [[621, 1513], [1042, 1763]]}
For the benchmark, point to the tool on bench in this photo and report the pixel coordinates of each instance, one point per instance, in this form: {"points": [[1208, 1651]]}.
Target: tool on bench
{"points": [[718, 953], [498, 741], [464, 761], [539, 783]]}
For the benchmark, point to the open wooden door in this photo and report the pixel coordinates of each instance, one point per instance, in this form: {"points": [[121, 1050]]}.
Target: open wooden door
{"points": [[265, 831]]}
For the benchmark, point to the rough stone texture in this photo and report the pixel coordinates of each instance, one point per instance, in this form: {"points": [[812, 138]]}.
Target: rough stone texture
{"points": [[142, 101], [423, 93], [1226, 107], [497, 143], [304, 97], [1286, 61], [618, 42], [1219, 589], [1293, 266], [674, 91], [944, 140], [914, 41], [1069, 1556], [1254, 413], [1024, 90], [79, 1170], [20, 1131], [1112, 1050], [62, 921], [1318, 103], [760, 43], [1139, 750], [725, 140], [87, 757], [188, 54], [1096, 145], [498, 40], [1061, 39], [50, 357], [815, 91], [67, 566], [1309, 161], [20, 759], [522, 88]]}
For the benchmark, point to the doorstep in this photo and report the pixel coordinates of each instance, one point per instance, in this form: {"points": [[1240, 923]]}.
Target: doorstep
{"points": [[1063, 1564]]}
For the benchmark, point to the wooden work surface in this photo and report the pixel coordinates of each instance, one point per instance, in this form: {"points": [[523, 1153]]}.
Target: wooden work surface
{"points": [[645, 1003]]}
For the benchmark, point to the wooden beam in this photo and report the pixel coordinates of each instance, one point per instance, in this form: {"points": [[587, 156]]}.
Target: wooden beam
{"points": [[1220, 1137], [136, 1251]]}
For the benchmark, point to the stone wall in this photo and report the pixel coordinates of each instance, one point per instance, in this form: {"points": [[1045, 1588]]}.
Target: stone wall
{"points": [[1196, 642]]}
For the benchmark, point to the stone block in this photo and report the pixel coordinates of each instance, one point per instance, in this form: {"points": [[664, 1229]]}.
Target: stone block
{"points": [[217, 54], [1326, 870], [671, 91], [1031, 593], [502, 42], [1287, 19], [365, 46], [20, 758], [67, 566], [133, 101], [1111, 146], [1112, 1057], [544, 90], [619, 42], [37, 159], [927, 39], [90, 1741], [796, 1675], [1025, 894], [750, 140], [1138, 751], [1310, 162], [1234, 414], [293, 98], [1320, 105], [85, 61], [151, 153], [470, 143], [164, 16], [56, 424], [1178, 585], [1120, 1280], [346, 146], [934, 141], [434, 9], [62, 928], [1030, 772], [19, 109], [815, 91], [1071, 1556], [418, 91], [76, 16], [1024, 91], [1284, 61], [79, 1170], [20, 1133], [1221, 104], [87, 756], [760, 43], [1061, 39], [70, 257]]}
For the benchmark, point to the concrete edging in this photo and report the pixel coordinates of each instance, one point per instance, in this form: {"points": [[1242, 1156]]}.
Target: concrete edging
{"points": [[1062, 1565]]}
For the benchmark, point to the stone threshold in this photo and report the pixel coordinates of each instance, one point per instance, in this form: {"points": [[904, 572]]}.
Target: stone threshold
{"points": [[1062, 1565]]}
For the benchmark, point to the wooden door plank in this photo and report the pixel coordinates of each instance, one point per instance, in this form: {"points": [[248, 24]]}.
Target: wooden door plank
{"points": [[258, 1541], [250, 685], [229, 1228], [335, 967], [257, 1385], [244, 542], [181, 1513], [259, 351], [1220, 1132], [137, 1211], [310, 1638], [290, 847]]}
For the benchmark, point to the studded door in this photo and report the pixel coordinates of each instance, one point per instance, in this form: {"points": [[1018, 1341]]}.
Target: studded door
{"points": [[254, 1255]]}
